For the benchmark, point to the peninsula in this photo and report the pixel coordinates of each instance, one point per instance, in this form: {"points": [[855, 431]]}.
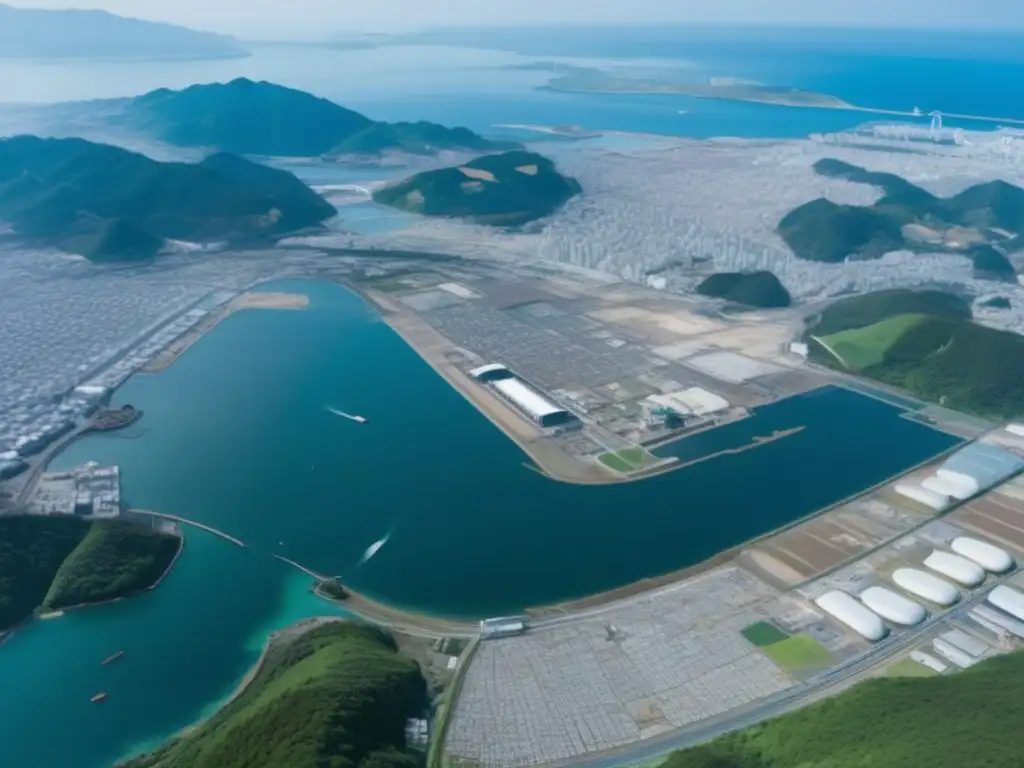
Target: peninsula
{"points": [[507, 189], [109, 204], [55, 562]]}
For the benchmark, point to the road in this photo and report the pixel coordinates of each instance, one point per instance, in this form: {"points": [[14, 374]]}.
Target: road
{"points": [[800, 695]]}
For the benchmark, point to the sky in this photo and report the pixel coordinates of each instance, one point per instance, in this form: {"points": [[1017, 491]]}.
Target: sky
{"points": [[319, 18]]}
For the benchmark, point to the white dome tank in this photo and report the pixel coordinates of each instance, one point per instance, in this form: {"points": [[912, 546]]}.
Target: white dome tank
{"points": [[893, 607], [959, 569], [991, 558], [926, 586]]}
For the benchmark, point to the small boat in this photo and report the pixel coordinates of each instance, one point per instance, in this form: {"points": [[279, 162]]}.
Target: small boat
{"points": [[112, 658], [98, 697]]}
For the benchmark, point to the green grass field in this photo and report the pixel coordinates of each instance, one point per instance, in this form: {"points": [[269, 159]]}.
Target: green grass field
{"points": [[861, 348], [798, 653], [628, 459], [762, 634], [909, 668]]}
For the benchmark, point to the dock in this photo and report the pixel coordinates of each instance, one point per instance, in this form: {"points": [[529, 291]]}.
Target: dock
{"points": [[304, 569]]}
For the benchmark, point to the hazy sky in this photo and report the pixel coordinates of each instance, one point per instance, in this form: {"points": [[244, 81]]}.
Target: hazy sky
{"points": [[267, 18]]}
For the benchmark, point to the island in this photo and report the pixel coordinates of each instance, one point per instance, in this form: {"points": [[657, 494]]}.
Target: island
{"points": [[53, 562], [79, 34], [926, 343], [906, 217], [507, 189], [109, 204], [107, 419], [246, 117], [761, 290], [919, 727], [339, 694]]}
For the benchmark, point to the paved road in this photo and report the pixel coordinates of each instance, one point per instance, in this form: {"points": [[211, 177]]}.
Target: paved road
{"points": [[785, 701]]}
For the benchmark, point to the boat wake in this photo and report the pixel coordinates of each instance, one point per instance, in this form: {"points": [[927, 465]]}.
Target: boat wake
{"points": [[344, 415], [373, 549]]}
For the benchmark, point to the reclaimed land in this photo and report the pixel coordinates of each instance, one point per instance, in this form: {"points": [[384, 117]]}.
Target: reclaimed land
{"points": [[56, 562], [337, 694], [888, 723]]}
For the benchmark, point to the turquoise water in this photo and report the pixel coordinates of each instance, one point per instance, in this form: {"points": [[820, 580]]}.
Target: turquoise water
{"points": [[238, 435], [372, 219]]}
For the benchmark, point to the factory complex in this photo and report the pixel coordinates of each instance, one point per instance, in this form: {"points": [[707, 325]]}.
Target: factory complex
{"points": [[881, 584], [89, 491]]}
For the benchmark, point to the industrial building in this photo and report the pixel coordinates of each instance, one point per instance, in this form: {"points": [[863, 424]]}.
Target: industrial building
{"points": [[1000, 619], [930, 498], [525, 398], [853, 614], [1008, 600], [991, 558], [926, 586], [951, 653], [686, 402], [957, 568], [504, 626], [893, 607]]}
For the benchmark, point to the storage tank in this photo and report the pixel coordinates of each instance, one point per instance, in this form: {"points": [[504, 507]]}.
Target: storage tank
{"points": [[1009, 600], [926, 586], [965, 486], [892, 606], [941, 486], [853, 614], [959, 569], [991, 558], [936, 501]]}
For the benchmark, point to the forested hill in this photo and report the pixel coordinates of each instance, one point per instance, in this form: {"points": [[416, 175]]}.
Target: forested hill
{"points": [[56, 561], [109, 204], [260, 118], [507, 189], [68, 34], [339, 695], [967, 720], [926, 343], [749, 289]]}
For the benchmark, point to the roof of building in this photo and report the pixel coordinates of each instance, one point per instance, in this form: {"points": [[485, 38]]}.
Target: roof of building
{"points": [[485, 369], [927, 586], [986, 463], [958, 568], [1008, 599], [892, 606], [991, 558], [852, 613], [526, 398], [929, 498]]}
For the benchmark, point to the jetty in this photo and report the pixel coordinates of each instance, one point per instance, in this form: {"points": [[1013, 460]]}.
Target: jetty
{"points": [[304, 569], [194, 524]]}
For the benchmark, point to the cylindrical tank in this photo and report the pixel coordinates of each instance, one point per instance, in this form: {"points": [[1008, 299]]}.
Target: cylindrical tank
{"points": [[926, 586], [853, 614], [991, 558], [959, 569], [892, 606]]}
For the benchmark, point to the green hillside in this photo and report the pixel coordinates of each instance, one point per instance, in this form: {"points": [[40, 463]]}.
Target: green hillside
{"points": [[420, 138], [992, 264], [114, 559], [244, 117], [924, 342], [507, 189], [821, 230], [110, 204], [338, 697], [55, 561], [970, 719], [751, 289]]}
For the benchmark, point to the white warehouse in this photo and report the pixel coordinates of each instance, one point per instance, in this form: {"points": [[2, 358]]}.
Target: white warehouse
{"points": [[1009, 600], [926, 586], [853, 614], [991, 558], [922, 495], [893, 607], [525, 398], [959, 569]]}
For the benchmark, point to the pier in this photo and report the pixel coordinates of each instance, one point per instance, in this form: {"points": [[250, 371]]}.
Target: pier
{"points": [[304, 569], [194, 524]]}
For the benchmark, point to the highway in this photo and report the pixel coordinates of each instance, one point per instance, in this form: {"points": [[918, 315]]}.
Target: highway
{"points": [[800, 695]]}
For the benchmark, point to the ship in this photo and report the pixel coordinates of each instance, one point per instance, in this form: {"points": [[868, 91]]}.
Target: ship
{"points": [[98, 697], [112, 658]]}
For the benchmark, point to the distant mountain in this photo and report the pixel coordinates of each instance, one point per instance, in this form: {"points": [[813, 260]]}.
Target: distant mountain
{"points": [[259, 118], [109, 204], [507, 189], [69, 34], [906, 217], [751, 289]]}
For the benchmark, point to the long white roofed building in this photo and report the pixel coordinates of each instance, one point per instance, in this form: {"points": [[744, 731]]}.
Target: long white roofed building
{"points": [[525, 398]]}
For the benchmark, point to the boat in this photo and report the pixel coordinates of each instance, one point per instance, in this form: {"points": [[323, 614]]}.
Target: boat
{"points": [[360, 419], [112, 658], [98, 697]]}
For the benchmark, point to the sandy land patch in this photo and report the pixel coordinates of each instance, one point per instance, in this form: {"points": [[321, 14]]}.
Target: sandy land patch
{"points": [[476, 173], [529, 170], [270, 300]]}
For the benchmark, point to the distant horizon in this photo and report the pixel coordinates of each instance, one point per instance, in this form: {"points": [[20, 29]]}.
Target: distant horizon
{"points": [[307, 20]]}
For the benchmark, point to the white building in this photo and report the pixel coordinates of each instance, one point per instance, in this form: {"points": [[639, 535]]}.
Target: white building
{"points": [[929, 498], [504, 626], [686, 402], [959, 569], [991, 558], [537, 407], [893, 607], [1009, 600], [926, 586], [853, 614]]}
